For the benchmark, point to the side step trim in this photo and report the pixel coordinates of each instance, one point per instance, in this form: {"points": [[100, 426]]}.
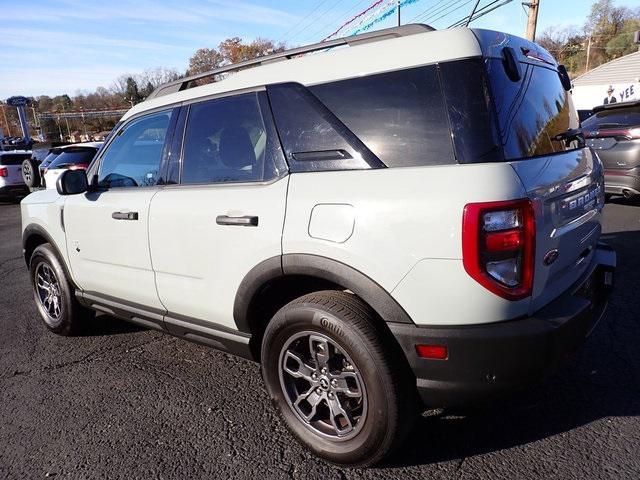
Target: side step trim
{"points": [[188, 328]]}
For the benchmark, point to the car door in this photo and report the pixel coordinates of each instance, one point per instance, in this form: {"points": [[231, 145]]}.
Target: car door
{"points": [[226, 212], [107, 227]]}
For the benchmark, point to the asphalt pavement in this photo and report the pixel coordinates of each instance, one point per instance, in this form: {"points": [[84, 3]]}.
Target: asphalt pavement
{"points": [[123, 402]]}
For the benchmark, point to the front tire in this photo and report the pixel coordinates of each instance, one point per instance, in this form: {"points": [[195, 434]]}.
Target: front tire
{"points": [[53, 293], [338, 386]]}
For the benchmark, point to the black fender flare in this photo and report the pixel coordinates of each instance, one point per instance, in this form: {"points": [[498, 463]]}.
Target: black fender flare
{"points": [[35, 229], [318, 267]]}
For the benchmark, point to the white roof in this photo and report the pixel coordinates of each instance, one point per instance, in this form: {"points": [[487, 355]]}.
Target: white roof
{"points": [[15, 152], [83, 144], [337, 64], [621, 70]]}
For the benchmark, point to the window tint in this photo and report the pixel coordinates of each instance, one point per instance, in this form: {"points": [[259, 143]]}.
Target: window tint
{"points": [[531, 111], [617, 117], [312, 136], [73, 156], [227, 140], [400, 116], [13, 159], [133, 158], [468, 102]]}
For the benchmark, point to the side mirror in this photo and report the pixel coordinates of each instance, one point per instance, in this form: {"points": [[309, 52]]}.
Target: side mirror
{"points": [[72, 182]]}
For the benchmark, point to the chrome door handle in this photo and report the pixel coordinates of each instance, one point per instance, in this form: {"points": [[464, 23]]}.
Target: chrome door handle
{"points": [[244, 221], [124, 215]]}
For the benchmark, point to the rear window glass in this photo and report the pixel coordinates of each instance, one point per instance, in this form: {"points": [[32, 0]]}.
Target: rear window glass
{"points": [[531, 111], [618, 117], [73, 156], [15, 159], [469, 104], [400, 116]]}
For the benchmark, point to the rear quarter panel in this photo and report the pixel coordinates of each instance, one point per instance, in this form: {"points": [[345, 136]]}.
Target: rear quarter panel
{"points": [[406, 233]]}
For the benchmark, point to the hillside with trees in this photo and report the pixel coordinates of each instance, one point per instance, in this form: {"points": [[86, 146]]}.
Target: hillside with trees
{"points": [[607, 34]]}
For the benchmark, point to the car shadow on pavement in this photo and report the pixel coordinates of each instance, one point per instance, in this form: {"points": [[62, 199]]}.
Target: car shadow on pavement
{"points": [[103, 324], [601, 380]]}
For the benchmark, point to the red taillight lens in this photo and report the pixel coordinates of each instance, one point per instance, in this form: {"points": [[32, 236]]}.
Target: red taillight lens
{"points": [[434, 352], [498, 246], [79, 166], [617, 133], [4, 172]]}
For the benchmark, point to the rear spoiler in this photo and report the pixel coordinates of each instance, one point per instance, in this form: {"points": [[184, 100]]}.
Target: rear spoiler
{"points": [[612, 106]]}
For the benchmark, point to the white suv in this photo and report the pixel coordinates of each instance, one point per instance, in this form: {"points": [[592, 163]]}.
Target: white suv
{"points": [[411, 220]]}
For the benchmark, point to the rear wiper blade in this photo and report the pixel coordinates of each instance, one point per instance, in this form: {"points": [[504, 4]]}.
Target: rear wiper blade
{"points": [[569, 135]]}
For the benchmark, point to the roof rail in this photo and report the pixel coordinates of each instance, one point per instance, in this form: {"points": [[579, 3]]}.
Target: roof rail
{"points": [[187, 82]]}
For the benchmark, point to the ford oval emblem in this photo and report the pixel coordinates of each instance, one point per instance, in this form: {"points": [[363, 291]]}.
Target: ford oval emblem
{"points": [[550, 257]]}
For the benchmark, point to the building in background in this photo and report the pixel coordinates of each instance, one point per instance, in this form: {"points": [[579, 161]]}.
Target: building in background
{"points": [[623, 74]]}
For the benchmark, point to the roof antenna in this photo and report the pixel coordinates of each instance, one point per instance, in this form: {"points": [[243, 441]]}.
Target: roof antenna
{"points": [[472, 12]]}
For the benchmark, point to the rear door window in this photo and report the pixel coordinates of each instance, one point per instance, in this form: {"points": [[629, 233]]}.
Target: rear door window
{"points": [[73, 156], [229, 140], [400, 116], [13, 159]]}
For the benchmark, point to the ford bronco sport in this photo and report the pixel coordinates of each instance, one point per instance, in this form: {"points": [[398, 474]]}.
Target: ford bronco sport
{"points": [[410, 220]]}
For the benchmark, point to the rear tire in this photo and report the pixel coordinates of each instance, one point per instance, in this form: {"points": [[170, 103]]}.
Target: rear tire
{"points": [[53, 293], [358, 408], [30, 173]]}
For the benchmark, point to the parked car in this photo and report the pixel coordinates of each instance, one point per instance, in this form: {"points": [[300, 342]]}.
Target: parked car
{"points": [[73, 157], [410, 221], [11, 184], [614, 133]]}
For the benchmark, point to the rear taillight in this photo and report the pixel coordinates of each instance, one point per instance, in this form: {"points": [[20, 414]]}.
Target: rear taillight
{"points": [[4, 172], [498, 246], [617, 133]]}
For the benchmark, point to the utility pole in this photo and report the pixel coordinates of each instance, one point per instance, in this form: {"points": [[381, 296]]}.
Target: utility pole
{"points": [[586, 68], [6, 121], [532, 19], [398, 7]]}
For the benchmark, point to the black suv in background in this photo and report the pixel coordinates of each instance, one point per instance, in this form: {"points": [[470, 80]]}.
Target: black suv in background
{"points": [[613, 131]]}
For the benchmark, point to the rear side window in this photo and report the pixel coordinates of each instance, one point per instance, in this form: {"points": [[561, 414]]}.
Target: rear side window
{"points": [[615, 117], [469, 104], [400, 116], [530, 112], [313, 138], [73, 156], [229, 140], [13, 159]]}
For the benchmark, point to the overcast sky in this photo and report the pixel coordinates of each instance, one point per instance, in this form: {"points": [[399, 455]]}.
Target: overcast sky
{"points": [[65, 46]]}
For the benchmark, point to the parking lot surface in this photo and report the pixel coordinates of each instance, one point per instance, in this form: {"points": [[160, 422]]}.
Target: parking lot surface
{"points": [[123, 402]]}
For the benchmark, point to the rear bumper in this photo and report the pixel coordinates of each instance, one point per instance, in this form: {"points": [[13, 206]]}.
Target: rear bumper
{"points": [[618, 180], [489, 359], [19, 189]]}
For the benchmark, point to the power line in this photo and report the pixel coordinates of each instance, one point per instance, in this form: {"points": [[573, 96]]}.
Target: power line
{"points": [[318, 18], [426, 10], [347, 14], [302, 20], [420, 17], [481, 13], [449, 12]]}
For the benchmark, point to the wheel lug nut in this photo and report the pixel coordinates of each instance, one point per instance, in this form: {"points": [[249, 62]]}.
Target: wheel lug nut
{"points": [[324, 370], [330, 395], [334, 383]]}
